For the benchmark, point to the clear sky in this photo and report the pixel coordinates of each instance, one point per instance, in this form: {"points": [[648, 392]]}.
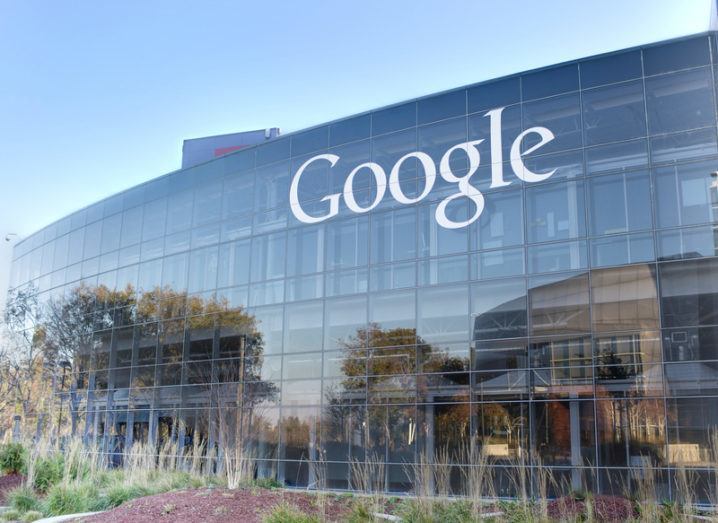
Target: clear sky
{"points": [[97, 96]]}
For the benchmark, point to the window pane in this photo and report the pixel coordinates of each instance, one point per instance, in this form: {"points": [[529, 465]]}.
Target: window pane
{"points": [[614, 113], [686, 194], [689, 292], [695, 242], [675, 147], [617, 157], [268, 256], [491, 95], [550, 81], [442, 106], [680, 101], [501, 224], [624, 298], [349, 130], [233, 264], [555, 211], [552, 257], [443, 314], [620, 203], [347, 243], [610, 69], [345, 318], [559, 304], [394, 118], [303, 327], [393, 236], [498, 309], [676, 55], [496, 264], [305, 250], [623, 249], [562, 115]]}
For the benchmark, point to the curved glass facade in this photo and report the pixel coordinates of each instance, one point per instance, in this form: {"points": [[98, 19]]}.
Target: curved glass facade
{"points": [[575, 318]]}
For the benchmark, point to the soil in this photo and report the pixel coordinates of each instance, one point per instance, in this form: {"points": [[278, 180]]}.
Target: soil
{"points": [[217, 505], [9, 482]]}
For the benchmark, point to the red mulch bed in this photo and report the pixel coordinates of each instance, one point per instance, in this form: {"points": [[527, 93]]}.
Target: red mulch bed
{"points": [[9, 482], [216, 505], [605, 508]]}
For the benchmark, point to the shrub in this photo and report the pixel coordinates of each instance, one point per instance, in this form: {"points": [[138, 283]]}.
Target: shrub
{"points": [[22, 499], [119, 494], [360, 513], [48, 471], [605, 508], [268, 483], [10, 515], [286, 513], [30, 516], [12, 458], [71, 499]]}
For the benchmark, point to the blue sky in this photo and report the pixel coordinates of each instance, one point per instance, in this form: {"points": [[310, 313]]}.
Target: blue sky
{"points": [[96, 97]]}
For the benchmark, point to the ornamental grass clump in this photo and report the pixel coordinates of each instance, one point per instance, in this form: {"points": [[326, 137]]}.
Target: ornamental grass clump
{"points": [[12, 458], [22, 499]]}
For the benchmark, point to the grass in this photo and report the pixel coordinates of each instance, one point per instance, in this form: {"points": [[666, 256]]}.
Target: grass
{"points": [[286, 513], [23, 499]]}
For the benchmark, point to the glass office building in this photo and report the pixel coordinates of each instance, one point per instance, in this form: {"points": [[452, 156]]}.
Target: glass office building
{"points": [[528, 263]]}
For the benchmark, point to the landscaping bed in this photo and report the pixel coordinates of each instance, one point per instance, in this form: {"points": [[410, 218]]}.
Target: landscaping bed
{"points": [[9, 482], [220, 505]]}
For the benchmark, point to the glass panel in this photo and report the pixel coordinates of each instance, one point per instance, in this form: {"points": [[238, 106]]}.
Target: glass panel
{"points": [[617, 157], [614, 113], [268, 256], [305, 251], [555, 211], [695, 242], [623, 249], [689, 292], [441, 106], [692, 144], [233, 267], [686, 194], [554, 257], [550, 81], [501, 224], [495, 264], [303, 327], [443, 314], [620, 203], [347, 243], [690, 344], [491, 95], [393, 236], [610, 69], [394, 118], [624, 298], [498, 309], [349, 130], [676, 55], [561, 114], [680, 101], [345, 319], [559, 304], [393, 317]]}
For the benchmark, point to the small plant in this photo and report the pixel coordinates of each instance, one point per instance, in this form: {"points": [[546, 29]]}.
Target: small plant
{"points": [[286, 513], [168, 508], [10, 515], [221, 511], [30, 516], [268, 483], [360, 513], [12, 458], [121, 493], [47, 472], [70, 499], [22, 499]]}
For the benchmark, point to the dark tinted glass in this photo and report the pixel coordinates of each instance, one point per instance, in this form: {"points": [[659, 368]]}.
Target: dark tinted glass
{"points": [[442, 106], [494, 94], [349, 130], [614, 113], [310, 141], [239, 161], [610, 69], [551, 81], [677, 55], [273, 151], [394, 118]]}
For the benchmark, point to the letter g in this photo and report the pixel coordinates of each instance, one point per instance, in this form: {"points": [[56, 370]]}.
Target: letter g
{"points": [[294, 196]]}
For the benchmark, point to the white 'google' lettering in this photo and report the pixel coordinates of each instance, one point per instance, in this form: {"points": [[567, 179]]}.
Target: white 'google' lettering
{"points": [[465, 189]]}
